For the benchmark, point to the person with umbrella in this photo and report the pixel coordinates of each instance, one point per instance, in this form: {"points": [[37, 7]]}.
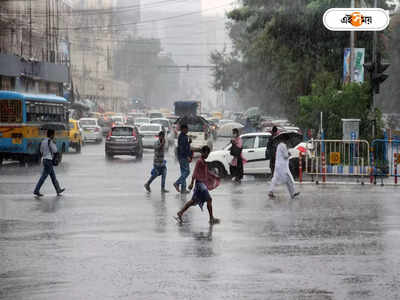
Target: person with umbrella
{"points": [[236, 165], [282, 174], [271, 149]]}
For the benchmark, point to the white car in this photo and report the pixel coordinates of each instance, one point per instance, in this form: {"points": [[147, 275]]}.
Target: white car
{"points": [[91, 130], [254, 147], [225, 121], [141, 121], [149, 133], [118, 120], [254, 151], [169, 133]]}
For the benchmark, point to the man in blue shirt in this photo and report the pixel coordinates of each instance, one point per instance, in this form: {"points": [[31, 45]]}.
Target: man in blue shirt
{"points": [[184, 157]]}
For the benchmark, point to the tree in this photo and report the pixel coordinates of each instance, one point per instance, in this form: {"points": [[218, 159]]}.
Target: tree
{"points": [[138, 62], [353, 101], [279, 49]]}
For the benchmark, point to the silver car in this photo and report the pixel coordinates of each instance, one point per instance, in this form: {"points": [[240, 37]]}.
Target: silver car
{"points": [[91, 130], [149, 133], [169, 134]]}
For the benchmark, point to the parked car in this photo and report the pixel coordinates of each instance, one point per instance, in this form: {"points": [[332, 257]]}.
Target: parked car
{"points": [[149, 133], [75, 135], [124, 140], [91, 130], [169, 134], [141, 121]]}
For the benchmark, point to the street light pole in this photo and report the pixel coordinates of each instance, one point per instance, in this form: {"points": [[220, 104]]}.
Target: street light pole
{"points": [[374, 63]]}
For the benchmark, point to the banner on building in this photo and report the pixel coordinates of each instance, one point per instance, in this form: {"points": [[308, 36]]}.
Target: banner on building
{"points": [[358, 63]]}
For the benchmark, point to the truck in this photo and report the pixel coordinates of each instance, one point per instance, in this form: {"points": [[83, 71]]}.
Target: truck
{"points": [[187, 108]]}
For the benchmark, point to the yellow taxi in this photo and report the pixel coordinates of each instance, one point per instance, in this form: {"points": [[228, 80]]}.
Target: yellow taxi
{"points": [[217, 115], [75, 136]]}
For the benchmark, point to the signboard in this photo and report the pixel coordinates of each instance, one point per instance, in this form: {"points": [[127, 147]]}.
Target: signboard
{"points": [[358, 63], [334, 158]]}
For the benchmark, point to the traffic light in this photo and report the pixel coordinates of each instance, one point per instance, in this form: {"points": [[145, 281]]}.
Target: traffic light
{"points": [[379, 75], [376, 71]]}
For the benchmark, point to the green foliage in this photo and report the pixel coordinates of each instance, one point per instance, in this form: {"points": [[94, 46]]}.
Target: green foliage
{"points": [[280, 47], [352, 102]]}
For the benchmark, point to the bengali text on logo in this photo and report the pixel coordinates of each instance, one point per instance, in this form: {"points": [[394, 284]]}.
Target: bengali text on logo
{"points": [[356, 19]]}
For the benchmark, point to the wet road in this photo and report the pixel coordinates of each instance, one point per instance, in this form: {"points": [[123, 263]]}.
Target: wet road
{"points": [[107, 239]]}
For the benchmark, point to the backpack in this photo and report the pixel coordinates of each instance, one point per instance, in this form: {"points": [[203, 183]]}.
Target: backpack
{"points": [[56, 156]]}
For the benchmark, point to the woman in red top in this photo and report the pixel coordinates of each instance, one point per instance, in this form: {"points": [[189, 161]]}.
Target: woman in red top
{"points": [[205, 181]]}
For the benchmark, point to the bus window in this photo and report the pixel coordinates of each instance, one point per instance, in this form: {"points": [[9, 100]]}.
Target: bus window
{"points": [[10, 111]]}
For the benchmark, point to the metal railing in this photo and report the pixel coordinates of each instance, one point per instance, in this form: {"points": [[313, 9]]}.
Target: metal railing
{"points": [[335, 157]]}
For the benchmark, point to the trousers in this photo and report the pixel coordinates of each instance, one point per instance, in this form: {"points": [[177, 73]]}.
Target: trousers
{"points": [[158, 171], [185, 172], [47, 170]]}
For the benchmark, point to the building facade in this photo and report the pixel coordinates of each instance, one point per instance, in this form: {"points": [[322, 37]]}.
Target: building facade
{"points": [[92, 47], [34, 45]]}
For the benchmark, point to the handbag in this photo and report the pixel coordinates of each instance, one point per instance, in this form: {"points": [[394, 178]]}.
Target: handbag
{"points": [[235, 150], [56, 157]]}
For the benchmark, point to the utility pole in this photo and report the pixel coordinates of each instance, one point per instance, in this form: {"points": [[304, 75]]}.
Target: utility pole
{"points": [[30, 28], [374, 45], [376, 69], [352, 42]]}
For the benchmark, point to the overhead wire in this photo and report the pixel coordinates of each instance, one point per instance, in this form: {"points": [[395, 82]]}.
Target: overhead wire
{"points": [[148, 21], [101, 11]]}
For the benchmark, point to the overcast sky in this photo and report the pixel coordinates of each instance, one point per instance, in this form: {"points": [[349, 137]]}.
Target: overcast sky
{"points": [[209, 4]]}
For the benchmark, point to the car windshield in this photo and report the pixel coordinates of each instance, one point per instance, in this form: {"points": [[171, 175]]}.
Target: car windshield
{"points": [[122, 131], [142, 120], [164, 123], [150, 128], [196, 127], [88, 122], [71, 125], [156, 115]]}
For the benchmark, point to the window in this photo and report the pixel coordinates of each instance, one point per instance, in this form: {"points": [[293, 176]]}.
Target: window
{"points": [[10, 111], [150, 128], [45, 112], [262, 141], [87, 122], [248, 142], [164, 123], [122, 131]]}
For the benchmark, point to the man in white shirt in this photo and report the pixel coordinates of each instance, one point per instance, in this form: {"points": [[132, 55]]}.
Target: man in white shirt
{"points": [[47, 149], [282, 174]]}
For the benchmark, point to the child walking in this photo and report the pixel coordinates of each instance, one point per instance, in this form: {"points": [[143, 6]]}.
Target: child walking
{"points": [[159, 164], [205, 181]]}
